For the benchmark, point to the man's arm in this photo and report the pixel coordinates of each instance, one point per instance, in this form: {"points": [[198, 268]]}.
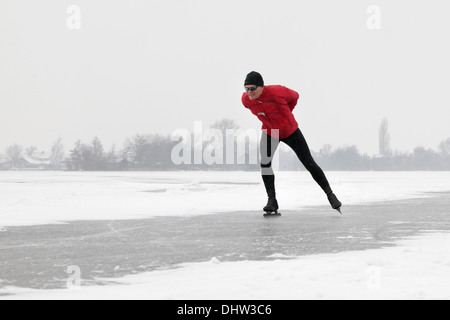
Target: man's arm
{"points": [[291, 97]]}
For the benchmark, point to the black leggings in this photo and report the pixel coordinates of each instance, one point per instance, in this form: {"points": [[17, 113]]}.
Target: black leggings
{"points": [[296, 142]]}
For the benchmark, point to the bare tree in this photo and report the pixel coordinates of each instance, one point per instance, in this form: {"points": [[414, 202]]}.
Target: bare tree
{"points": [[112, 156], [220, 147], [384, 138], [225, 124], [14, 154], [444, 147], [57, 155], [76, 157], [97, 148], [136, 150], [88, 157], [326, 150]]}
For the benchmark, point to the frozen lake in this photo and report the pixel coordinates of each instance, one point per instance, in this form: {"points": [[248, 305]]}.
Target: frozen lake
{"points": [[113, 225], [31, 198]]}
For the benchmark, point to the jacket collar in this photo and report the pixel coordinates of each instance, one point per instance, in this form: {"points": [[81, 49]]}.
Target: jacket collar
{"points": [[264, 94]]}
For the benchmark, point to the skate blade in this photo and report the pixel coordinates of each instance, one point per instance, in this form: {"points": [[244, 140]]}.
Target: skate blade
{"points": [[339, 210], [271, 214]]}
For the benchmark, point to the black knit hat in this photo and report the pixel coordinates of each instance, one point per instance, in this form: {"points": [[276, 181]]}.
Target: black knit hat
{"points": [[254, 78]]}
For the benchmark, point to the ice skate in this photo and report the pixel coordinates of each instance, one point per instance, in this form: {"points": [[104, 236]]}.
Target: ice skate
{"points": [[271, 209], [335, 203]]}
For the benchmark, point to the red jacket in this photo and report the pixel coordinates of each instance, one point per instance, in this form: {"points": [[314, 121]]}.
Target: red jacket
{"points": [[274, 109]]}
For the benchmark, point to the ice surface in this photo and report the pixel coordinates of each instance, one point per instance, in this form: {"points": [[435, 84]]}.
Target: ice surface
{"points": [[29, 198], [416, 269]]}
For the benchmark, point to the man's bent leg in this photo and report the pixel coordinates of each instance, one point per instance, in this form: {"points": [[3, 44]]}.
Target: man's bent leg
{"points": [[268, 146]]}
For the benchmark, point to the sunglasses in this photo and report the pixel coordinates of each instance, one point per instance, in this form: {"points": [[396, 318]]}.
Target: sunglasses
{"points": [[251, 89]]}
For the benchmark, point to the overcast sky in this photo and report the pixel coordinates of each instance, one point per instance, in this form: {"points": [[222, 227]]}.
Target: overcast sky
{"points": [[153, 66]]}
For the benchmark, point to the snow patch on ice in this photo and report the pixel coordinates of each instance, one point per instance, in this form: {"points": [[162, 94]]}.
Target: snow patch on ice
{"points": [[214, 260], [281, 256], [377, 262], [398, 222]]}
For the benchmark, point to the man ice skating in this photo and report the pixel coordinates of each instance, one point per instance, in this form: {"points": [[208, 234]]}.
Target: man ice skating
{"points": [[273, 105]]}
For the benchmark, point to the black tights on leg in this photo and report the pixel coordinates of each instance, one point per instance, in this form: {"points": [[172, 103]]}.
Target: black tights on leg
{"points": [[296, 142]]}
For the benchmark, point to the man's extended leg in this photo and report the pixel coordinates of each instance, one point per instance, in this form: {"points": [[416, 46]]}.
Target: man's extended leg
{"points": [[298, 143]]}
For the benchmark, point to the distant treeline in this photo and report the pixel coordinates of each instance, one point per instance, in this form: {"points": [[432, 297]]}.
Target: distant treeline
{"points": [[349, 159], [156, 152]]}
